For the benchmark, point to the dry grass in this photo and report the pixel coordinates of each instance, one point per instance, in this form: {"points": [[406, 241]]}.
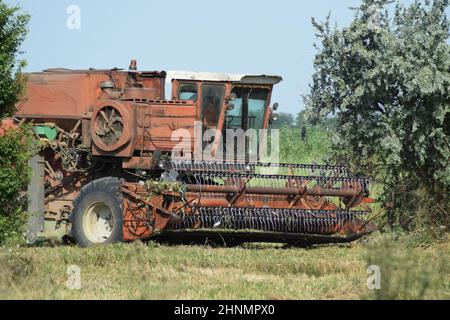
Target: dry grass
{"points": [[153, 271]]}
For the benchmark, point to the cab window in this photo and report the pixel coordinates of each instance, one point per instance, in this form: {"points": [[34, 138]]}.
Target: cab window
{"points": [[248, 115], [212, 97], [188, 92]]}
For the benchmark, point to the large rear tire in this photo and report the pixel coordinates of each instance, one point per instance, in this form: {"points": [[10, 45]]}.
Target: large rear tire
{"points": [[97, 217]]}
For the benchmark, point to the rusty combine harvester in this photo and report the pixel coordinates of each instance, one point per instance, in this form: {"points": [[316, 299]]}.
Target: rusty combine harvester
{"points": [[106, 171]]}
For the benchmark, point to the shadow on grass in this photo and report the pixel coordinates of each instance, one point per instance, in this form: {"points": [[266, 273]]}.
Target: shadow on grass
{"points": [[244, 241]]}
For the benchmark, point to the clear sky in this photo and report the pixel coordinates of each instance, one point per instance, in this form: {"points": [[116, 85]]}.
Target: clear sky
{"points": [[232, 36]]}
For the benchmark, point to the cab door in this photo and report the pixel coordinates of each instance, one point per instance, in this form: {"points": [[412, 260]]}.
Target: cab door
{"points": [[248, 114]]}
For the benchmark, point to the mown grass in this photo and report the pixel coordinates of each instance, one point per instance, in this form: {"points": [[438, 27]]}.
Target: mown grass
{"points": [[412, 266], [254, 271]]}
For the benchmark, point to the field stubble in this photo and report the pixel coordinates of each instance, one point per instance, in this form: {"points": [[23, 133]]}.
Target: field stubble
{"points": [[253, 271]]}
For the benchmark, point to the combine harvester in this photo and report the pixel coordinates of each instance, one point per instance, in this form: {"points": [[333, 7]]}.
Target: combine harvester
{"points": [[107, 172]]}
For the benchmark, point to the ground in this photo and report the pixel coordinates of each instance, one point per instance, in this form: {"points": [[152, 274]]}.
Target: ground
{"points": [[252, 271]]}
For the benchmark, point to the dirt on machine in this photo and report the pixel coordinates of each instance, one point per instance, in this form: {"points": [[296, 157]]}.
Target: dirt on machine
{"points": [[107, 171]]}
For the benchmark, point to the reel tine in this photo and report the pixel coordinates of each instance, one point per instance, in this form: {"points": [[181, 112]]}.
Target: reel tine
{"points": [[272, 220]]}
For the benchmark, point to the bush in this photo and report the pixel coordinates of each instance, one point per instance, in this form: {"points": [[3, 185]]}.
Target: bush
{"points": [[387, 77], [16, 147]]}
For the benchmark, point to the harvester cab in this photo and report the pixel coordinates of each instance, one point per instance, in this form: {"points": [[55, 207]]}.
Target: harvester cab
{"points": [[226, 103]]}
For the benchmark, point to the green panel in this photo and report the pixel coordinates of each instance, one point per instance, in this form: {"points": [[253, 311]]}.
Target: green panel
{"points": [[47, 132]]}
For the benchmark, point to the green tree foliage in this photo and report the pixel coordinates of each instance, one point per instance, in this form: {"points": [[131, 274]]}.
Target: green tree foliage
{"points": [[387, 77], [13, 28], [15, 144], [301, 119], [15, 149]]}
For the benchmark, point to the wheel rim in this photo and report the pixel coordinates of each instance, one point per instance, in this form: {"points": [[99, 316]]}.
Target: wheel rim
{"points": [[98, 222]]}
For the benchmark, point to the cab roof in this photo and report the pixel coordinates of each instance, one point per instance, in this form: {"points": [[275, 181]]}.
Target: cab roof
{"points": [[223, 77]]}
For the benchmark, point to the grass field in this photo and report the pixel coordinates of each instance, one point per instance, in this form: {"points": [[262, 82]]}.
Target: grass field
{"points": [[411, 266], [253, 271]]}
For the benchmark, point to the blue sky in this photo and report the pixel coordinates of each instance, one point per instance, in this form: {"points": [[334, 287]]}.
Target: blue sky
{"points": [[234, 36]]}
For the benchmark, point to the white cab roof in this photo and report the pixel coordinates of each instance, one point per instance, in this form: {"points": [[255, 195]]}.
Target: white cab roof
{"points": [[209, 76]]}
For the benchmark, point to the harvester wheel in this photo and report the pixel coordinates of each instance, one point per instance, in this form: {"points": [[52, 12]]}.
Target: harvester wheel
{"points": [[97, 217]]}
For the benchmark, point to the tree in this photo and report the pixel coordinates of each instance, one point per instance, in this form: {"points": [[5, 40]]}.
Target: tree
{"points": [[15, 145], [301, 119], [387, 77], [13, 28]]}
